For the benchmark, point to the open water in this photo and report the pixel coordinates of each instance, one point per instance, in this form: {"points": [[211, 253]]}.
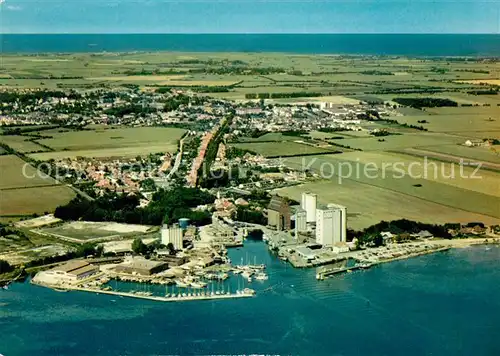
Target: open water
{"points": [[440, 304], [372, 44]]}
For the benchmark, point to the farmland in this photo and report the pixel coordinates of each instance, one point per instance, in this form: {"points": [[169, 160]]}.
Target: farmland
{"points": [[368, 204], [340, 79], [37, 200], [398, 141], [114, 138], [109, 142], [294, 79], [21, 143], [423, 194], [25, 191], [17, 174], [281, 149]]}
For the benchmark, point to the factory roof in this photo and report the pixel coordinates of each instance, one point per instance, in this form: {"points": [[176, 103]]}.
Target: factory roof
{"points": [[142, 263], [277, 203], [306, 252], [83, 270], [71, 266]]}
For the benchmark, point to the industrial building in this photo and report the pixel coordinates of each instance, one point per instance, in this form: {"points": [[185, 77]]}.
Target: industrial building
{"points": [[140, 266], [308, 203], [300, 221], [173, 235], [68, 273], [331, 225], [278, 213], [306, 253]]}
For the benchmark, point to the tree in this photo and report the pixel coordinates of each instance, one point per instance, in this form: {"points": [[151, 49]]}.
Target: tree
{"points": [[139, 247], [5, 267], [378, 240], [171, 249]]}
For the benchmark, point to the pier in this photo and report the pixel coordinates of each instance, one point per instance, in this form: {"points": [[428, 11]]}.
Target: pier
{"points": [[244, 294], [331, 271]]}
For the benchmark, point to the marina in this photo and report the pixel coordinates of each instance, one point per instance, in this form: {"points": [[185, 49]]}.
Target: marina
{"points": [[245, 293]]}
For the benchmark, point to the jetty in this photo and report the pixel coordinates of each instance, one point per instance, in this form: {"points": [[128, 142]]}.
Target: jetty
{"points": [[320, 275], [246, 293]]}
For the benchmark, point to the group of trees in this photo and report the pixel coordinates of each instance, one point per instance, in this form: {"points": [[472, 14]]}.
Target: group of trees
{"points": [[141, 248], [233, 152], [5, 267], [166, 206], [132, 109], [174, 102], [376, 72], [420, 103], [281, 95], [402, 228], [211, 152], [249, 215]]}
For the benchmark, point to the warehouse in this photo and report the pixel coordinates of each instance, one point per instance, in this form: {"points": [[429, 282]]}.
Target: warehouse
{"points": [[141, 266], [70, 272]]}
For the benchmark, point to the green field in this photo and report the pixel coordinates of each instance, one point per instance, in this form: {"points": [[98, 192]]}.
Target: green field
{"points": [[24, 191], [109, 142], [281, 149], [21, 144], [395, 142], [38, 200], [488, 154], [17, 174], [271, 136]]}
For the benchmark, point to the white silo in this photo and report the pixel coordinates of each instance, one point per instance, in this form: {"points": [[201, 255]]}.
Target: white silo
{"points": [[309, 202]]}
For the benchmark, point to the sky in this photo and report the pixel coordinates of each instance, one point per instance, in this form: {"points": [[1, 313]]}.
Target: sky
{"points": [[250, 16]]}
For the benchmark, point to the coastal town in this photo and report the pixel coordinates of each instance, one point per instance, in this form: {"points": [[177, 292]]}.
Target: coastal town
{"points": [[177, 213]]}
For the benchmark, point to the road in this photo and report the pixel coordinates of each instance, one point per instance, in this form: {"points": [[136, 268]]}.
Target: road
{"points": [[178, 160]]}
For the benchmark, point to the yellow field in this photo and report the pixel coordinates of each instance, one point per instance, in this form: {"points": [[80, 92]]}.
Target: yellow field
{"points": [[489, 183], [142, 78], [358, 169], [481, 81], [34, 200], [368, 205]]}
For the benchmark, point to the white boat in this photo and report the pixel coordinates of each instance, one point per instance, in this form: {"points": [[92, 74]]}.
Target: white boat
{"points": [[198, 285], [249, 279], [261, 277], [248, 291], [181, 283], [246, 274]]}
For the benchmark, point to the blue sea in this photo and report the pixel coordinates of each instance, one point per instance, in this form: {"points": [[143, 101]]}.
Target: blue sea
{"points": [[356, 44], [440, 304]]}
